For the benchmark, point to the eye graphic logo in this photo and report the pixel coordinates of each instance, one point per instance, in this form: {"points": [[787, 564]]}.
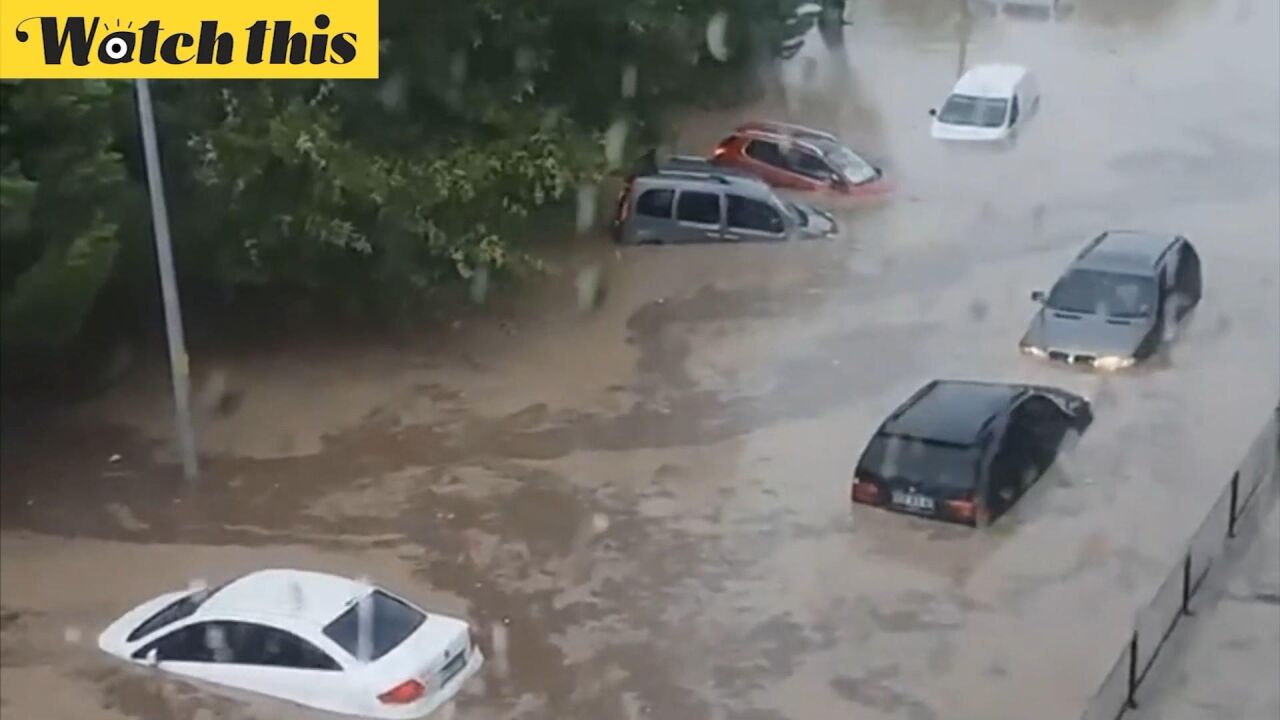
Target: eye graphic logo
{"points": [[153, 38], [118, 46]]}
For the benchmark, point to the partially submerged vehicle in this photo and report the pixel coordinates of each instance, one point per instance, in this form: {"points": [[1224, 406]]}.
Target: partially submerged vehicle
{"points": [[988, 103], [310, 638], [1124, 296], [965, 451], [690, 200], [800, 158]]}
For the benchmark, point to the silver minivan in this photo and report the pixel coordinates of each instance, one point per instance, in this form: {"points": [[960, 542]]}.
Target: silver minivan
{"points": [[689, 200]]}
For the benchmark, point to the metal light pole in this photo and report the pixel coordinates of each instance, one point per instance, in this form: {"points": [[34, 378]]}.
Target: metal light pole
{"points": [[179, 366], [966, 30]]}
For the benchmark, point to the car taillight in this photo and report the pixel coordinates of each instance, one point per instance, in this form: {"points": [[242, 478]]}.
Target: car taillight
{"points": [[865, 492], [404, 693], [964, 510]]}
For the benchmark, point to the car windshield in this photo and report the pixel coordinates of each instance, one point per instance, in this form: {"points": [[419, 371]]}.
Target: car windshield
{"points": [[854, 168], [1104, 293], [920, 462], [374, 626], [173, 612], [974, 111]]}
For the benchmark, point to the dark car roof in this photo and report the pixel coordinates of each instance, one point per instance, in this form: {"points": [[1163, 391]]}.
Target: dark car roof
{"points": [[951, 411], [1127, 251]]}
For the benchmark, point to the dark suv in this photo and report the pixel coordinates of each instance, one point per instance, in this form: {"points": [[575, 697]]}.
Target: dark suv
{"points": [[1122, 296], [966, 451], [689, 200]]}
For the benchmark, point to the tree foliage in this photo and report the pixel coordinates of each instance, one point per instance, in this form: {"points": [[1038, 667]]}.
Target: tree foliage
{"points": [[63, 186], [374, 192]]}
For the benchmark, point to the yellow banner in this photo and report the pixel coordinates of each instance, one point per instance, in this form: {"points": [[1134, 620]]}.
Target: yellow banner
{"points": [[175, 39]]}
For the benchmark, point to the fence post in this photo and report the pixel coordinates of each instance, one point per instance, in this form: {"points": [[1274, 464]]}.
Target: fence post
{"points": [[1131, 702], [1235, 499], [1186, 585]]}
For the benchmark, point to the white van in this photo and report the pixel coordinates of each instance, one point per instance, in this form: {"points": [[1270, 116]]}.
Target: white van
{"points": [[989, 102]]}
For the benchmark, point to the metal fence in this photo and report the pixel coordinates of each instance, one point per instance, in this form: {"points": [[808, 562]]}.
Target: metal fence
{"points": [[1155, 622]]}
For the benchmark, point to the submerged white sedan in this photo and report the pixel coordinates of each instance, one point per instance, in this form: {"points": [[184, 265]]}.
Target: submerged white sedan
{"points": [[314, 639]]}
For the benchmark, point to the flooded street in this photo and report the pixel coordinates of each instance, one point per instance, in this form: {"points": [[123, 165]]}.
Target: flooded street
{"points": [[645, 508]]}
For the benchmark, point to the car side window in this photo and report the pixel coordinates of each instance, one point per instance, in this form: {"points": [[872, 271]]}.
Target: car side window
{"points": [[1171, 269], [747, 214], [1013, 111], [239, 643], [1188, 270], [188, 644], [656, 203], [1045, 425], [698, 207], [766, 152], [1043, 412], [1018, 443], [810, 165], [1003, 474], [253, 644]]}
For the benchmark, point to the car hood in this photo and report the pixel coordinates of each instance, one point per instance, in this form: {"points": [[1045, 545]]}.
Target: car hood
{"points": [[820, 223], [114, 639], [875, 187], [944, 131], [1093, 334]]}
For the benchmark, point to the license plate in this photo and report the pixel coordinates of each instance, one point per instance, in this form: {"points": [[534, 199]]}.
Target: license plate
{"points": [[912, 501], [453, 667]]}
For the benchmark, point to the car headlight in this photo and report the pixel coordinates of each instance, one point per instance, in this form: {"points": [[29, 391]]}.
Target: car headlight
{"points": [[1033, 350], [1113, 362]]}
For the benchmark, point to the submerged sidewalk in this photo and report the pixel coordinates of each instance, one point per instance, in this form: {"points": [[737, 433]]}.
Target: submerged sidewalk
{"points": [[1226, 665]]}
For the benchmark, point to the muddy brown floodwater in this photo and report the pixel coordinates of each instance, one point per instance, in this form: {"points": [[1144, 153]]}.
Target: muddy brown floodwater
{"points": [[644, 508]]}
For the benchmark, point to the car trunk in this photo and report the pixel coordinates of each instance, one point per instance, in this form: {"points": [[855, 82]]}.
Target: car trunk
{"points": [[433, 655], [919, 478]]}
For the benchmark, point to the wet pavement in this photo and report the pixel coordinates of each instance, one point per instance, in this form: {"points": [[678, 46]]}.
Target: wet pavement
{"points": [[1226, 661], [645, 508]]}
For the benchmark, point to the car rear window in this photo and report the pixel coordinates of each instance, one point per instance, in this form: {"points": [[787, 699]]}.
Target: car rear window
{"points": [[655, 203], [374, 626], [920, 462]]}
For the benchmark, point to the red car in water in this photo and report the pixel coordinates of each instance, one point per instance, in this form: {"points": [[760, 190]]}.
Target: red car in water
{"points": [[800, 158]]}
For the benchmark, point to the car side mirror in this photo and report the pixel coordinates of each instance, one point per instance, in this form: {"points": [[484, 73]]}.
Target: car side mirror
{"points": [[1037, 296], [153, 658], [933, 112], [838, 180]]}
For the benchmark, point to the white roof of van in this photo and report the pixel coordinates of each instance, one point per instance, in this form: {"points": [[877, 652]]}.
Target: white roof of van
{"points": [[990, 80]]}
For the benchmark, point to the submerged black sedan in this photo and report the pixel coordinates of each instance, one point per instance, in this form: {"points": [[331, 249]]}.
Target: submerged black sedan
{"points": [[965, 451]]}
